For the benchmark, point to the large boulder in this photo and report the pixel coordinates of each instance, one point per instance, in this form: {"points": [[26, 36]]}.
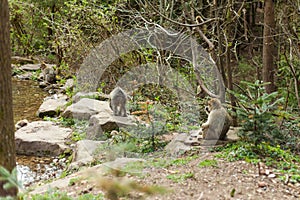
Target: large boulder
{"points": [[41, 138], [83, 152], [52, 106], [106, 122], [85, 108], [178, 145], [90, 95]]}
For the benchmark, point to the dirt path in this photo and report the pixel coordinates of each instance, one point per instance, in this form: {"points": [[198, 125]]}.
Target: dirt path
{"points": [[223, 180]]}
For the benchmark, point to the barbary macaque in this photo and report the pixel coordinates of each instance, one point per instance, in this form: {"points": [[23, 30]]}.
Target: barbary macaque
{"points": [[117, 103], [218, 122], [48, 72]]}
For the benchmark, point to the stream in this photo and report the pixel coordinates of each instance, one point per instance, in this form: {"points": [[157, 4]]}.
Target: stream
{"points": [[27, 98]]}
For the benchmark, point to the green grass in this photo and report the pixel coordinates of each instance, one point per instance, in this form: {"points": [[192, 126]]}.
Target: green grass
{"points": [[58, 195], [208, 163], [281, 160], [180, 177]]}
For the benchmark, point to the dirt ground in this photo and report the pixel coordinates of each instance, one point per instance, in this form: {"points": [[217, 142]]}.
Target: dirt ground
{"points": [[225, 180]]}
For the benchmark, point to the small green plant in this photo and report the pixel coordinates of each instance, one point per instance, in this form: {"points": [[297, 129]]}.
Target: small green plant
{"points": [[35, 75], [258, 112], [10, 178], [183, 161], [73, 181], [180, 177], [283, 161], [51, 195], [76, 136], [100, 88], [208, 163]]}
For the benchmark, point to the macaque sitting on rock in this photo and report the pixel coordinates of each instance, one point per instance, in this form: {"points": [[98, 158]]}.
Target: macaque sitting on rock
{"points": [[218, 122]]}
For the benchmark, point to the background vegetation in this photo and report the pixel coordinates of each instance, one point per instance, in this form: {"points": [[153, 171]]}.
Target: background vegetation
{"points": [[63, 32]]}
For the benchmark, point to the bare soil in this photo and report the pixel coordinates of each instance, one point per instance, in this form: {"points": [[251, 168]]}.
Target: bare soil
{"points": [[226, 180]]}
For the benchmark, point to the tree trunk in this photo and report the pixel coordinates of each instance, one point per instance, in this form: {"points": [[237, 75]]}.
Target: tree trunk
{"points": [[269, 50], [7, 141]]}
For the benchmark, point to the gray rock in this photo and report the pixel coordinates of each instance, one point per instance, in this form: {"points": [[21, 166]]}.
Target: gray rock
{"points": [[121, 163], [85, 108], [52, 106], [90, 95], [106, 122], [69, 85], [25, 76], [21, 123], [34, 67], [85, 174], [43, 84], [21, 60], [31, 67], [232, 134], [41, 138], [83, 153], [178, 146]]}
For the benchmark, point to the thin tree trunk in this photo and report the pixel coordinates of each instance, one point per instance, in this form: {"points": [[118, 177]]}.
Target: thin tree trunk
{"points": [[7, 141], [269, 50]]}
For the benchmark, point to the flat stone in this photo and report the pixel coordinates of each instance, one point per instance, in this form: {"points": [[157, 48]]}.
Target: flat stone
{"points": [[177, 146], [90, 95], [52, 106], [121, 163], [85, 108], [41, 138], [106, 122], [21, 60], [31, 67]]}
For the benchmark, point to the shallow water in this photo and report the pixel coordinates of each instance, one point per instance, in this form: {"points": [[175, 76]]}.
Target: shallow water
{"points": [[27, 98], [33, 169]]}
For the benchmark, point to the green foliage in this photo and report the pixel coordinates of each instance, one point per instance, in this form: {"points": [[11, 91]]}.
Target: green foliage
{"points": [[60, 30], [35, 75], [59, 195], [208, 163], [287, 76], [258, 114], [180, 177], [10, 178], [101, 86], [73, 181], [182, 161], [284, 161], [263, 118], [76, 136]]}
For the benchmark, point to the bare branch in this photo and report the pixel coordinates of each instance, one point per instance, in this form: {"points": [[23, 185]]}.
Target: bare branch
{"points": [[178, 23]]}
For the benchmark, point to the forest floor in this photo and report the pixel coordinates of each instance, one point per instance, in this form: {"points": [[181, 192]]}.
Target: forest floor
{"points": [[214, 178]]}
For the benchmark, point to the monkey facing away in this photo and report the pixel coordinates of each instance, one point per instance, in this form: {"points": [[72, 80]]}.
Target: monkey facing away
{"points": [[218, 122], [117, 103]]}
